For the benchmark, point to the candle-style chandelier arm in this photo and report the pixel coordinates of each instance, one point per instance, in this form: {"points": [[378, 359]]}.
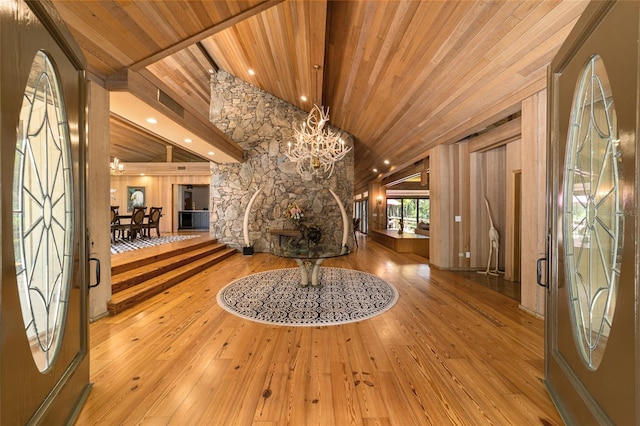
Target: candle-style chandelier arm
{"points": [[316, 146], [116, 167]]}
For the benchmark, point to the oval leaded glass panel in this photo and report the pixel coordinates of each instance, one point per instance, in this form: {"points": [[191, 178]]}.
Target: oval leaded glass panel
{"points": [[593, 219], [42, 212]]}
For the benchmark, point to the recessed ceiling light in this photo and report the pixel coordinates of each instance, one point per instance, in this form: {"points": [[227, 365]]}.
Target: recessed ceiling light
{"points": [[252, 72], [303, 98], [152, 120], [211, 153], [386, 162], [141, 174], [187, 140], [375, 170]]}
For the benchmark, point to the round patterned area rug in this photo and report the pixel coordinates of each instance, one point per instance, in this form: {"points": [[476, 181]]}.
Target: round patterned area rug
{"points": [[276, 297]]}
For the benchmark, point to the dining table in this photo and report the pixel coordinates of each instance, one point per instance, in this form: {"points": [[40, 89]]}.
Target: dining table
{"points": [[123, 223]]}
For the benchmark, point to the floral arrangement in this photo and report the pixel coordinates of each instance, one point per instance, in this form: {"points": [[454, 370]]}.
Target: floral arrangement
{"points": [[294, 213]]}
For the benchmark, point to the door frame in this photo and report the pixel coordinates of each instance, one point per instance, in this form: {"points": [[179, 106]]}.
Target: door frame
{"points": [[516, 235]]}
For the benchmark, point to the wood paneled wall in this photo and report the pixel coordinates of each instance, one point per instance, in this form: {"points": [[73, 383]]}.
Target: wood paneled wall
{"points": [[461, 205], [449, 190], [98, 215], [493, 177], [513, 209], [158, 193], [488, 182], [459, 182], [439, 247], [534, 198], [377, 212]]}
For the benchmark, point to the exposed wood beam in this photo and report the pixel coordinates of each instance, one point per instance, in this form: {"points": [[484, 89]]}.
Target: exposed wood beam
{"points": [[167, 169], [403, 174], [208, 57], [317, 44], [424, 174], [147, 91], [499, 136], [204, 34], [135, 133], [169, 153]]}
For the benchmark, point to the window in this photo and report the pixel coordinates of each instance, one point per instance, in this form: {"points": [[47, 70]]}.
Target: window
{"points": [[43, 212], [360, 211], [408, 210], [594, 212], [424, 210]]}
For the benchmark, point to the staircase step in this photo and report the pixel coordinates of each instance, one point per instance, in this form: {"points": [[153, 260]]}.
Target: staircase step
{"points": [[147, 289], [123, 280], [133, 259]]}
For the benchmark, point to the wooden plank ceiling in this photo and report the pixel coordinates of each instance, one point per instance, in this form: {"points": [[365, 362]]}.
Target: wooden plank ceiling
{"points": [[135, 145], [401, 77]]}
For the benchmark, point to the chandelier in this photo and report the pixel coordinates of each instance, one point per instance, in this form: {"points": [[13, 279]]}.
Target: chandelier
{"points": [[316, 148], [116, 167]]}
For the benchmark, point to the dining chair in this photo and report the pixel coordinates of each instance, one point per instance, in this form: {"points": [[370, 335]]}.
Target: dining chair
{"points": [[137, 222], [155, 213], [116, 227]]}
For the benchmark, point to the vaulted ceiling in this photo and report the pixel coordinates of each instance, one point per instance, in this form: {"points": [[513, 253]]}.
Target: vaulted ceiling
{"points": [[400, 76]]}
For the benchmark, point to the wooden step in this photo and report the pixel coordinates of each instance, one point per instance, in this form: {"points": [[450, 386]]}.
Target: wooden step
{"points": [[134, 259], [123, 280], [147, 289]]}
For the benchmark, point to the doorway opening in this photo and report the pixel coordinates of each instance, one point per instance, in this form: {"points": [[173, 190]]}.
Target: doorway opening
{"points": [[193, 207]]}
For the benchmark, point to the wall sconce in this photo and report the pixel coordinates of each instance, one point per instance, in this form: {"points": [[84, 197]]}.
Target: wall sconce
{"points": [[379, 200]]}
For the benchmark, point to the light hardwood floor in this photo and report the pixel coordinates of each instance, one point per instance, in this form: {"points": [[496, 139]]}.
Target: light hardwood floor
{"points": [[449, 352]]}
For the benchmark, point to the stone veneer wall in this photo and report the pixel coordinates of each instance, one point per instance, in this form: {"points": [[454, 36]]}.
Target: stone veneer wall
{"points": [[263, 124]]}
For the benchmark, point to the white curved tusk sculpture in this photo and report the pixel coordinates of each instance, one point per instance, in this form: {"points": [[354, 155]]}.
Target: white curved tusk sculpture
{"points": [[345, 219], [245, 226]]}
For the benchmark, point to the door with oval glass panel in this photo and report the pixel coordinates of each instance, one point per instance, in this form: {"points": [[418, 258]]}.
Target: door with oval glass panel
{"points": [[592, 330], [44, 365]]}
